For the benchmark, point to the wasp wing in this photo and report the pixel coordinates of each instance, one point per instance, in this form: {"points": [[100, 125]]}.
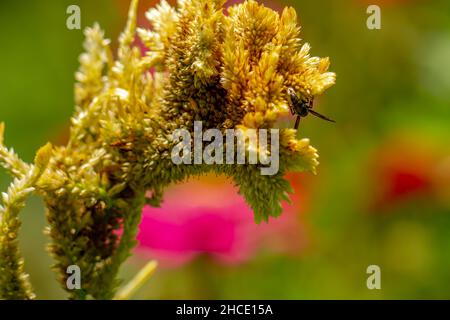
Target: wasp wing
{"points": [[293, 102], [315, 113], [291, 108]]}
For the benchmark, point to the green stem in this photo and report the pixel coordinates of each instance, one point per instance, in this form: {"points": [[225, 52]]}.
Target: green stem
{"points": [[108, 282]]}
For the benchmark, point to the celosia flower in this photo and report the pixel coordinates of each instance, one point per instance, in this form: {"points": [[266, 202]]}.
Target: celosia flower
{"points": [[227, 70], [207, 217]]}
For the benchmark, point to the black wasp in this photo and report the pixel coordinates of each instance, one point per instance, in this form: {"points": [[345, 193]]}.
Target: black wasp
{"points": [[302, 107]]}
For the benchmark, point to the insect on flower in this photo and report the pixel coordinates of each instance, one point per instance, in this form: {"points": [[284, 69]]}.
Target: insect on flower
{"points": [[302, 107]]}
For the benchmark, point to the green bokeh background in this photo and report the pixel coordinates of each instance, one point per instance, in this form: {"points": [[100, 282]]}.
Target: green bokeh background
{"points": [[390, 81]]}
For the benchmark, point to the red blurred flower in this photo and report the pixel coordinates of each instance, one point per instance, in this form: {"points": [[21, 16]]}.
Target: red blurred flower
{"points": [[403, 170], [385, 2]]}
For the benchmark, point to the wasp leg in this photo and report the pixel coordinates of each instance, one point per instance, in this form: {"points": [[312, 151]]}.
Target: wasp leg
{"points": [[297, 122]]}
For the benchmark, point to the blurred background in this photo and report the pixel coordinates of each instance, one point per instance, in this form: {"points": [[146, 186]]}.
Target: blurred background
{"points": [[381, 196]]}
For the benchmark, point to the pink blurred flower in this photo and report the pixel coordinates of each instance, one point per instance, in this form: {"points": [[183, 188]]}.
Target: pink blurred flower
{"points": [[208, 216]]}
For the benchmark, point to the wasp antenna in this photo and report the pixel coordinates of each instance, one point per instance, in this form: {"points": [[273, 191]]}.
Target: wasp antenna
{"points": [[315, 113]]}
